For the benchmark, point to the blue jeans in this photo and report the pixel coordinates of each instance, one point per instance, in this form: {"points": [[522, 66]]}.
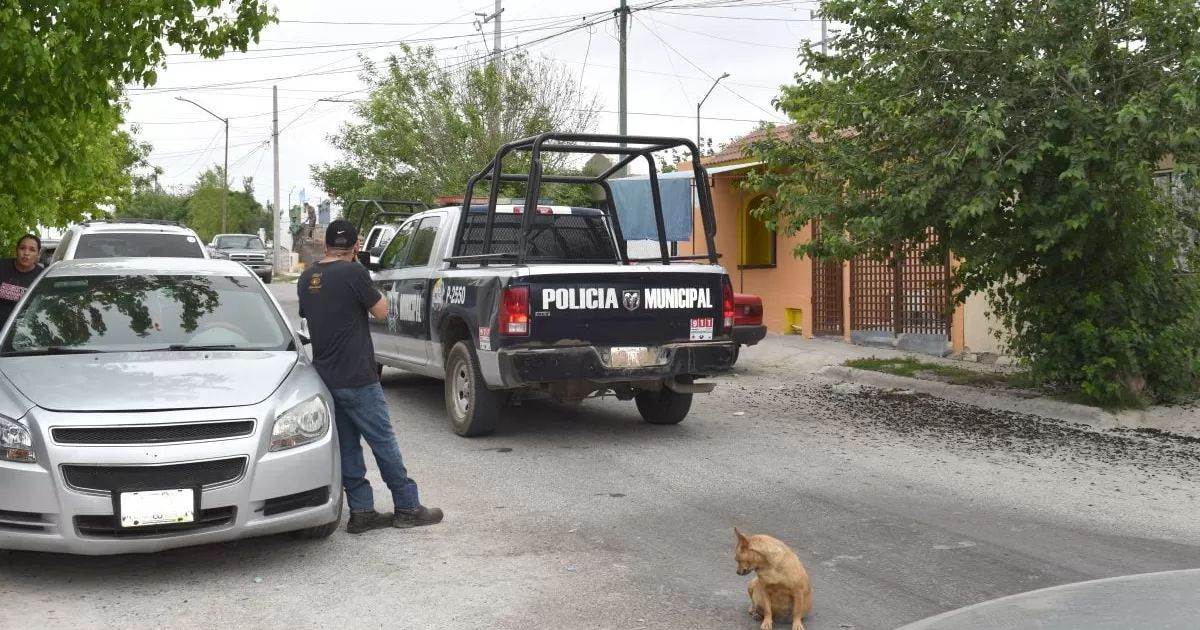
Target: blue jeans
{"points": [[361, 412]]}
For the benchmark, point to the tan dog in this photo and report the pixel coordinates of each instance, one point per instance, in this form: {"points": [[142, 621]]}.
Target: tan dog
{"points": [[782, 586]]}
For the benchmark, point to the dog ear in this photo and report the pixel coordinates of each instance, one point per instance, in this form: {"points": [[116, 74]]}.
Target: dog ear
{"points": [[741, 539]]}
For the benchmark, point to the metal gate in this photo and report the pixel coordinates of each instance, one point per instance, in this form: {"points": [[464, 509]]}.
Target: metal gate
{"points": [[902, 294], [827, 294]]}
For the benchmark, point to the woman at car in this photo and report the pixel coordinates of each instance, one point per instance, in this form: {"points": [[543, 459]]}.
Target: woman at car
{"points": [[17, 273]]}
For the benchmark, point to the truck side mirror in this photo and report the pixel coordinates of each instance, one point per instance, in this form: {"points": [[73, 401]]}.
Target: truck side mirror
{"points": [[364, 259]]}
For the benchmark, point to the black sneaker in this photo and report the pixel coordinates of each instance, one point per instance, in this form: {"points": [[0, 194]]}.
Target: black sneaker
{"points": [[366, 521], [417, 517]]}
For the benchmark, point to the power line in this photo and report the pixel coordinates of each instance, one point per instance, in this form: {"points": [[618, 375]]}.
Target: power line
{"points": [[729, 39], [705, 73]]}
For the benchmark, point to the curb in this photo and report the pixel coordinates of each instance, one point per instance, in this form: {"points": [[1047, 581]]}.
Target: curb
{"points": [[1074, 413]]}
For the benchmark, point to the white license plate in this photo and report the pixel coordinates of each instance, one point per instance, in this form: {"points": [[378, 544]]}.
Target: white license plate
{"points": [[157, 507], [630, 357]]}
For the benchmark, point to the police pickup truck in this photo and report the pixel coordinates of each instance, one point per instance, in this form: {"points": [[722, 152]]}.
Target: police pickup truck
{"points": [[532, 298]]}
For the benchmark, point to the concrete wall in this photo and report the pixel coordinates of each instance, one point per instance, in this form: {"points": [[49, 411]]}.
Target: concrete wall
{"points": [[979, 326]]}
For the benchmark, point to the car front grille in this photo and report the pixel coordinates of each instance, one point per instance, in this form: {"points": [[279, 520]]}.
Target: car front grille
{"points": [[136, 478], [22, 521], [248, 258], [106, 526], [157, 434]]}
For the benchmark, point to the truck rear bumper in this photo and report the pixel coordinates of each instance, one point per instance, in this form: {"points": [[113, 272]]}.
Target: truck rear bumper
{"points": [[749, 335], [518, 368]]}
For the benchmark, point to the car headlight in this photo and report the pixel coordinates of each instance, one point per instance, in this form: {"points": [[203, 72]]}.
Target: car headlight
{"points": [[16, 445], [304, 423]]}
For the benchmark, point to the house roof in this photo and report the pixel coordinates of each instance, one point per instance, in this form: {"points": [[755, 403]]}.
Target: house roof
{"points": [[735, 150]]}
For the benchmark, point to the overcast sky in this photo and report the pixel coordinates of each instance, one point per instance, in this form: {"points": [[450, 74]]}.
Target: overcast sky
{"points": [[674, 52]]}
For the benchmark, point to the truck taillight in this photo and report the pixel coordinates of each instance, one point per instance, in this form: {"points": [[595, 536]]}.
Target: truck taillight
{"points": [[514, 311], [727, 303]]}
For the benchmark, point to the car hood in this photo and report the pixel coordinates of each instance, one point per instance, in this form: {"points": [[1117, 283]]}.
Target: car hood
{"points": [[148, 381]]}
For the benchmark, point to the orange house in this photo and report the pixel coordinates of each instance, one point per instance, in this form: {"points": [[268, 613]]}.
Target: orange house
{"points": [[904, 305]]}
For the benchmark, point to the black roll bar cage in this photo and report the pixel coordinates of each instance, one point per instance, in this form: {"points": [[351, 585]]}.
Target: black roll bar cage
{"points": [[382, 210], [629, 147]]}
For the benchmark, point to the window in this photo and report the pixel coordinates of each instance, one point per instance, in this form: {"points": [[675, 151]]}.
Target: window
{"points": [[239, 241], [138, 245], [422, 242], [582, 236], [393, 255], [137, 313], [757, 242]]}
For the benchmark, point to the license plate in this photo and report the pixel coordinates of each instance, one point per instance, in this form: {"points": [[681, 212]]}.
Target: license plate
{"points": [[157, 507], [630, 357], [700, 329]]}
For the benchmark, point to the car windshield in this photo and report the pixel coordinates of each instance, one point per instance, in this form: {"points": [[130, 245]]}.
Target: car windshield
{"points": [[122, 313], [239, 241], [138, 245]]}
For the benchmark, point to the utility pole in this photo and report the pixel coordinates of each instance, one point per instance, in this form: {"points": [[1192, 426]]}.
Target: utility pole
{"points": [[701, 104], [275, 245], [824, 24], [623, 96], [225, 172], [497, 62]]}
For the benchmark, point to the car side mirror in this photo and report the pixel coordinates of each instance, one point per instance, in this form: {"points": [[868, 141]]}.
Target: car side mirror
{"points": [[304, 338], [377, 251]]}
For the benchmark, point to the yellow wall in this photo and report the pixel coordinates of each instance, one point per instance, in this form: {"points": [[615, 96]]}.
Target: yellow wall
{"points": [[787, 285]]}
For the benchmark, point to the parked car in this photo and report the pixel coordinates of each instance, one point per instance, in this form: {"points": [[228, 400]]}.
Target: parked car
{"points": [[157, 403], [129, 238], [377, 240], [748, 328], [572, 316], [247, 249], [49, 245]]}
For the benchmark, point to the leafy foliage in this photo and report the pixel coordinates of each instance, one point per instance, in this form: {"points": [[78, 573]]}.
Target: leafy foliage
{"points": [[426, 129], [199, 207], [1026, 133], [62, 68]]}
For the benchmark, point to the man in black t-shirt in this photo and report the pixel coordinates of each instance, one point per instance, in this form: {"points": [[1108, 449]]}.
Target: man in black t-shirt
{"points": [[336, 295], [16, 274]]}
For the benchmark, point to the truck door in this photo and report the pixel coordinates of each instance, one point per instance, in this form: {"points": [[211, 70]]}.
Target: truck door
{"points": [[412, 293], [384, 334]]}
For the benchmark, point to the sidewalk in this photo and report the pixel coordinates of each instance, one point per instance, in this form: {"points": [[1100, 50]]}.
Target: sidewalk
{"points": [[824, 358]]}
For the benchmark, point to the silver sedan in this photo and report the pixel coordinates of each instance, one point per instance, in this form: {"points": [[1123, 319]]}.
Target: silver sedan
{"points": [[155, 403]]}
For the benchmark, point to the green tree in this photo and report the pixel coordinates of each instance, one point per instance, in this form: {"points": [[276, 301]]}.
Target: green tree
{"points": [[63, 66], [245, 214], [1026, 134], [425, 129]]}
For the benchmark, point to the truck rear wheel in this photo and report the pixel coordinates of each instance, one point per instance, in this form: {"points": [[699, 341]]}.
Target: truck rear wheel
{"points": [[473, 409], [664, 406]]}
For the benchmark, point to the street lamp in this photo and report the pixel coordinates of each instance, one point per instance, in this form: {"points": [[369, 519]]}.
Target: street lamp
{"points": [[225, 172], [701, 104]]}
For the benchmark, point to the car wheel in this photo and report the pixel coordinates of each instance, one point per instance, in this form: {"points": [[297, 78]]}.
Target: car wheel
{"points": [[664, 406], [473, 409], [321, 532], [268, 278], [737, 352]]}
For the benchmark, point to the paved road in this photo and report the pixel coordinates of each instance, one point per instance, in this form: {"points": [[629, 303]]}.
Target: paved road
{"points": [[900, 506]]}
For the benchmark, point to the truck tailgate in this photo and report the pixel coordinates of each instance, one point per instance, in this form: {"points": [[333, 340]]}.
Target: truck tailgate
{"points": [[626, 308]]}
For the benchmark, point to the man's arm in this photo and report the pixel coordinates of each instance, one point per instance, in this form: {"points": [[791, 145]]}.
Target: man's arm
{"points": [[380, 309]]}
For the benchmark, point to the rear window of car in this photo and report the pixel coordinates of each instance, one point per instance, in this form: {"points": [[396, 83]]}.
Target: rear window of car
{"points": [[138, 245]]}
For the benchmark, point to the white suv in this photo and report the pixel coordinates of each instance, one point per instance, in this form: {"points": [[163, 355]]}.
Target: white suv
{"points": [[129, 238]]}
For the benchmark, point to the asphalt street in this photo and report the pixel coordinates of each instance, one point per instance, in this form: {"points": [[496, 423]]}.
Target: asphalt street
{"points": [[901, 507]]}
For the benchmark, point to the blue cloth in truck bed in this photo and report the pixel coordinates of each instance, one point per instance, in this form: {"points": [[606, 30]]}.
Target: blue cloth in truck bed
{"points": [[635, 206]]}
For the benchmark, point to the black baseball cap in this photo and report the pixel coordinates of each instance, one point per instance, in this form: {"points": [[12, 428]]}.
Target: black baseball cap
{"points": [[341, 234]]}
